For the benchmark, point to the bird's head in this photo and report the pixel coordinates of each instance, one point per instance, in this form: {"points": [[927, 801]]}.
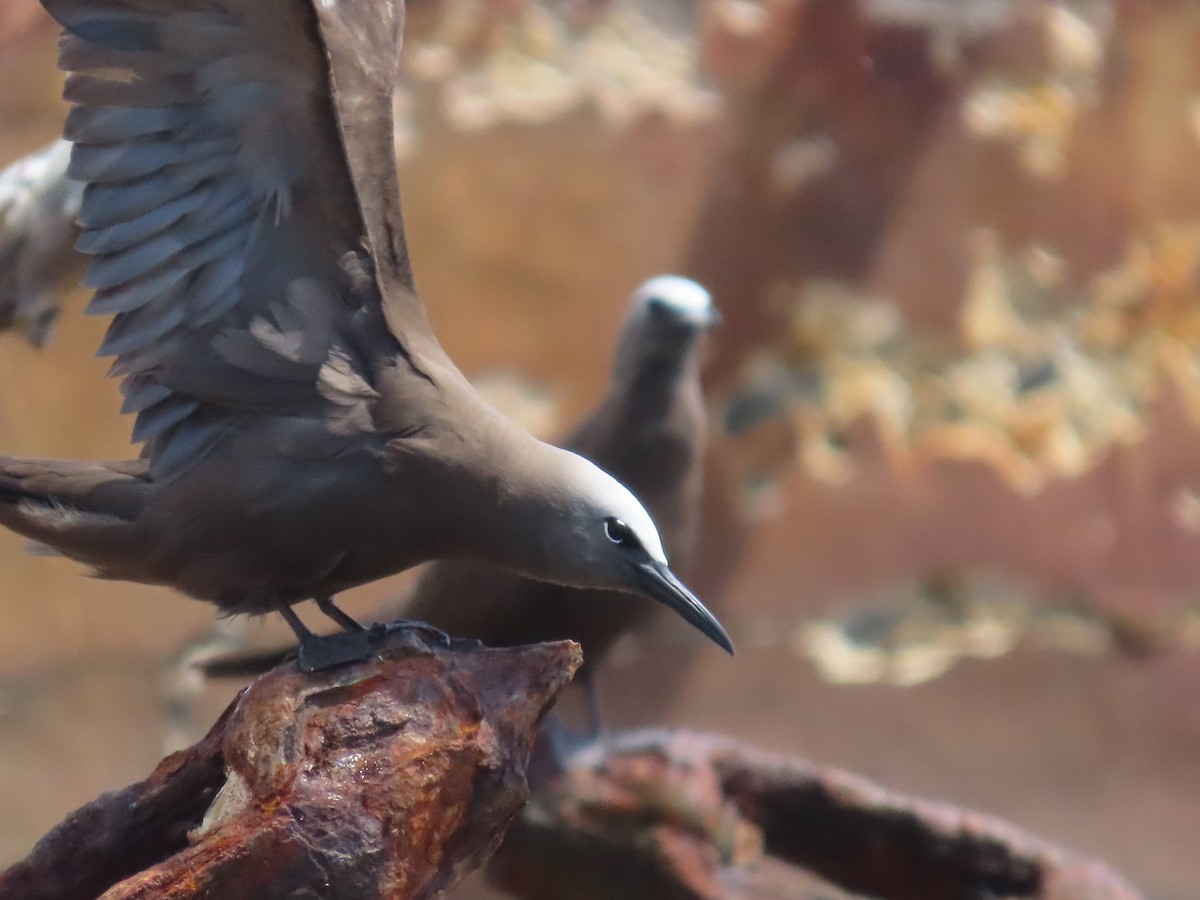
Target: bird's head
{"points": [[675, 303], [602, 537], [667, 316]]}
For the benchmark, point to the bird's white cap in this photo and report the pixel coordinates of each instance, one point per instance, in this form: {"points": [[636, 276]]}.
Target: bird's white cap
{"points": [[683, 298]]}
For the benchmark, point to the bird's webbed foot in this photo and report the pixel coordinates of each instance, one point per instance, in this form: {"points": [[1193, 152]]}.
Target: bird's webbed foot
{"points": [[436, 635], [319, 652], [327, 651]]}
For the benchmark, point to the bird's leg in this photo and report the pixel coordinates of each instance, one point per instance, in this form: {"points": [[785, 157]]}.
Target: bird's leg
{"points": [[289, 615], [348, 622], [317, 652], [592, 694], [564, 741]]}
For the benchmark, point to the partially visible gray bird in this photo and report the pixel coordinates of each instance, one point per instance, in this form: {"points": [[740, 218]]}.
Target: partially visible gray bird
{"points": [[305, 432], [649, 431], [38, 206]]}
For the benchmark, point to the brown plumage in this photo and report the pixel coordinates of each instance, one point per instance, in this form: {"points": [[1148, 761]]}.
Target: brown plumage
{"points": [[304, 431]]}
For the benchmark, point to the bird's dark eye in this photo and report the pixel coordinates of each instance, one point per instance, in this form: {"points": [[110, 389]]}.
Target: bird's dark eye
{"points": [[658, 306], [619, 533]]}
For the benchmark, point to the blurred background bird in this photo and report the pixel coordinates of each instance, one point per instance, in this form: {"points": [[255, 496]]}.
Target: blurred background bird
{"points": [[38, 261]]}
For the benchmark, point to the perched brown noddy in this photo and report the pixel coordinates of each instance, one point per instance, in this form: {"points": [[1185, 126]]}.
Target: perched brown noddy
{"points": [[648, 431], [305, 432]]}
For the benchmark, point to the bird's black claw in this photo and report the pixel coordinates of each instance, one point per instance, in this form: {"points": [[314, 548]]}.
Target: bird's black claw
{"points": [[424, 629], [320, 653]]}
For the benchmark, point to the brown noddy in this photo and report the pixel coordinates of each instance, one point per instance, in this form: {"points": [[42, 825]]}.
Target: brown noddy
{"points": [[649, 431], [304, 431]]}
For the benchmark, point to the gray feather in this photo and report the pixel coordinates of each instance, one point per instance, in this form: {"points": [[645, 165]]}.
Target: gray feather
{"points": [[80, 56], [134, 329], [123, 235], [243, 350], [137, 293], [117, 29], [93, 91], [183, 445], [217, 306], [156, 419], [152, 357], [113, 269], [208, 295], [232, 240], [107, 163], [109, 124], [107, 204], [224, 192], [142, 392]]}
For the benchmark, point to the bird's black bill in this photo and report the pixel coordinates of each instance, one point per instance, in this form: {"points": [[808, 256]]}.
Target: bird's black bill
{"points": [[659, 582]]}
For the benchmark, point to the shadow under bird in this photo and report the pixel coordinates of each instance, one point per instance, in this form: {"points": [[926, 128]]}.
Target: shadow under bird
{"points": [[649, 431], [304, 430]]}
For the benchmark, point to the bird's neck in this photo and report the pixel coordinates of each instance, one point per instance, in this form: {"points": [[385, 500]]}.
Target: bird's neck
{"points": [[653, 385], [481, 481]]}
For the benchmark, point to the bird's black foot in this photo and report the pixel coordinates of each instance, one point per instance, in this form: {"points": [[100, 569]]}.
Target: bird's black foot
{"points": [[354, 644], [326, 652], [316, 652]]}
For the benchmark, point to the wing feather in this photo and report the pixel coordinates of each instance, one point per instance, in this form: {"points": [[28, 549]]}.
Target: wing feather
{"points": [[136, 292], [154, 420], [95, 91], [108, 124], [224, 176], [141, 393], [124, 235]]}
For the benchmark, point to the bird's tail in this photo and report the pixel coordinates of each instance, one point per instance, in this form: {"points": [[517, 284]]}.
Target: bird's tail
{"points": [[246, 664], [81, 510], [11, 489]]}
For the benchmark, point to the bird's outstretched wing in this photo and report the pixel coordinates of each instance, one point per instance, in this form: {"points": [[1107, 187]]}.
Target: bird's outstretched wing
{"points": [[240, 198]]}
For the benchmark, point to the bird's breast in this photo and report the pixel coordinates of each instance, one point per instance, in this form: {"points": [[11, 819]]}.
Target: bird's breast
{"points": [[243, 534]]}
